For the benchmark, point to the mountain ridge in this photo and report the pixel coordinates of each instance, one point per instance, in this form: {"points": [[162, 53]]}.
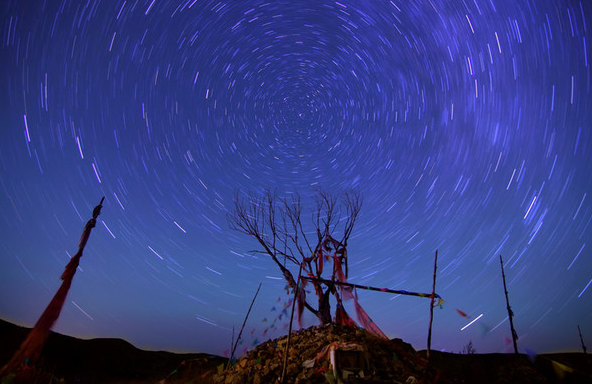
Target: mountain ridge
{"points": [[100, 360], [112, 360]]}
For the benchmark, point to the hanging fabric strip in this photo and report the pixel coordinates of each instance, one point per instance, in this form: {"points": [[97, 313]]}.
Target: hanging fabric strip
{"points": [[300, 299], [342, 318], [346, 291], [366, 321], [30, 349]]}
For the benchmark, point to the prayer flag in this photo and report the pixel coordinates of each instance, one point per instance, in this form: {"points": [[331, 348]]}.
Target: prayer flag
{"points": [[30, 349], [462, 313]]}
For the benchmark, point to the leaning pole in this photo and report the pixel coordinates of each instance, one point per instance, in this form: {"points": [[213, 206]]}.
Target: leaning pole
{"points": [[510, 313], [433, 296], [30, 350]]}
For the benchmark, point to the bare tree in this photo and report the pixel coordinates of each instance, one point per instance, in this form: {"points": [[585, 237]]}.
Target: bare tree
{"points": [[276, 224]]}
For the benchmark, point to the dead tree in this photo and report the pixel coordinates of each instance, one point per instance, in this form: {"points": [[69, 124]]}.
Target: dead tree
{"points": [[277, 225]]}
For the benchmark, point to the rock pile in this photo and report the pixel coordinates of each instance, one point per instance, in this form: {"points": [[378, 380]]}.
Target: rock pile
{"points": [[388, 361]]}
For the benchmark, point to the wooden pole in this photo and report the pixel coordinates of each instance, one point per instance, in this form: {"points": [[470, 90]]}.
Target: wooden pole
{"points": [[30, 350], [387, 290], [243, 327], [582, 339], [433, 296], [510, 313], [231, 342], [290, 328]]}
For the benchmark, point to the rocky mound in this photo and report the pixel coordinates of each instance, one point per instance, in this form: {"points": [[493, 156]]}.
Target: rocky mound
{"points": [[357, 355]]}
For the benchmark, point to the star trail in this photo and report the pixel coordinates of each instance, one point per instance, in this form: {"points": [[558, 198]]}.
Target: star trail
{"points": [[464, 124]]}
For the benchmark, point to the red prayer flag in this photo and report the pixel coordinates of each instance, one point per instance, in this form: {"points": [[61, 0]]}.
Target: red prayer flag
{"points": [[30, 349], [462, 313], [368, 324]]}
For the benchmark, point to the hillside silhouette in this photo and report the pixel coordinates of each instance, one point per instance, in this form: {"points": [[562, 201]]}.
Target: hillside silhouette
{"points": [[104, 360], [70, 360]]}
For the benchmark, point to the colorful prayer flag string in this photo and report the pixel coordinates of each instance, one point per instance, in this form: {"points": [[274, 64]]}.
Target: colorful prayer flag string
{"points": [[400, 291]]}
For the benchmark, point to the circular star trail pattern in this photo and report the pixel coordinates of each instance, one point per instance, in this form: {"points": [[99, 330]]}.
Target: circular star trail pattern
{"points": [[465, 126]]}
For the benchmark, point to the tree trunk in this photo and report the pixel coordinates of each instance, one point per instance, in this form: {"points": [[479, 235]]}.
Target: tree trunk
{"points": [[325, 308]]}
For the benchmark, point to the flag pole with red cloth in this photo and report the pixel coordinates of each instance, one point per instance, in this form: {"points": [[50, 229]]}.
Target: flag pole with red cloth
{"points": [[30, 350]]}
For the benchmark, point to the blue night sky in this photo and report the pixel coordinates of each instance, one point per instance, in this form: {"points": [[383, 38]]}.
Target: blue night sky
{"points": [[465, 125]]}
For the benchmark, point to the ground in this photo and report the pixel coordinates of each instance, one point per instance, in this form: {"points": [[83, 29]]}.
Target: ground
{"points": [[69, 360]]}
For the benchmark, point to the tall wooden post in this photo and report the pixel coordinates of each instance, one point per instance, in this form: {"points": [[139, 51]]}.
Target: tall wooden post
{"points": [[30, 349], [510, 313], [286, 351], [433, 296], [582, 339], [242, 328]]}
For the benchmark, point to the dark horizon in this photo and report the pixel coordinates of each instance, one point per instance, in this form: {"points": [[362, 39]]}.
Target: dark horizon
{"points": [[183, 352]]}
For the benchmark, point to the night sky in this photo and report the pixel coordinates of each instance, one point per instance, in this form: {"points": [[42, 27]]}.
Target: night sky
{"points": [[465, 126]]}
